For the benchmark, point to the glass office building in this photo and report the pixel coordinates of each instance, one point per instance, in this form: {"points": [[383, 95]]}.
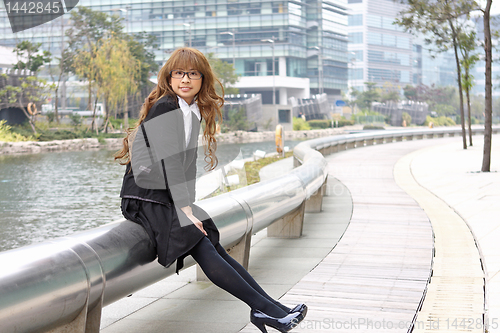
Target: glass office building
{"points": [[382, 52], [307, 39]]}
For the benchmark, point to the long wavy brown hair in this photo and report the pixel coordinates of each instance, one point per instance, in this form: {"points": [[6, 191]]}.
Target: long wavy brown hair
{"points": [[209, 102]]}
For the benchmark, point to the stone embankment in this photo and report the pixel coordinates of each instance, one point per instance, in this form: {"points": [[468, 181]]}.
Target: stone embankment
{"points": [[32, 147], [244, 137]]}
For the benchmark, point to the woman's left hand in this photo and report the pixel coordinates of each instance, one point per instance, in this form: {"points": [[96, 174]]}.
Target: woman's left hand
{"points": [[189, 213]]}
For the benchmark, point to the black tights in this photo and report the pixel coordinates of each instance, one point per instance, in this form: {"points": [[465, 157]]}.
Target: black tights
{"points": [[228, 274]]}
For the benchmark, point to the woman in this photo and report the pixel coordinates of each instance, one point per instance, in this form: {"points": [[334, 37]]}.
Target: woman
{"points": [[160, 196]]}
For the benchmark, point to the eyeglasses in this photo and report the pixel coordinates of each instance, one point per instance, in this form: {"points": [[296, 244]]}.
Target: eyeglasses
{"points": [[192, 75]]}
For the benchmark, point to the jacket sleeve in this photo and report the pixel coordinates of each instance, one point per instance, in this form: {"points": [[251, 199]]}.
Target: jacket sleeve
{"points": [[165, 149]]}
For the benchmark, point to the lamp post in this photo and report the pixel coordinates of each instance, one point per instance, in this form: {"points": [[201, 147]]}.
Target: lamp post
{"points": [[274, 85], [234, 44]]}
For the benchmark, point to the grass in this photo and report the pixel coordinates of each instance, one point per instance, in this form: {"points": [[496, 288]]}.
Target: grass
{"points": [[251, 172], [53, 131]]}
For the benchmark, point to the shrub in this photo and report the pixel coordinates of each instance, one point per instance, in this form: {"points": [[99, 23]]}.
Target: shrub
{"points": [[50, 117], [345, 122], [300, 125], [76, 119], [319, 123], [373, 127], [439, 121], [6, 133]]}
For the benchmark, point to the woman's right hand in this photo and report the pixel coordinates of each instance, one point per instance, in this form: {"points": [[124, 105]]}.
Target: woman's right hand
{"points": [[189, 213]]}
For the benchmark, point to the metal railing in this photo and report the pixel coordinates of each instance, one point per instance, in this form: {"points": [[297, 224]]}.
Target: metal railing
{"points": [[66, 281]]}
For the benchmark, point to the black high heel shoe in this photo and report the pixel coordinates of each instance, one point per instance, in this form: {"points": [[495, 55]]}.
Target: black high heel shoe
{"points": [[283, 325], [302, 308]]}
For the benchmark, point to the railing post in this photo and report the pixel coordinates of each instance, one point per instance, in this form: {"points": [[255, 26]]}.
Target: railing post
{"points": [[296, 162], [85, 322], [315, 202], [290, 225], [359, 143]]}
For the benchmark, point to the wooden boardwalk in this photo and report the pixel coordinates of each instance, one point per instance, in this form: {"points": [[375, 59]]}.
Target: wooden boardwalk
{"points": [[455, 297]]}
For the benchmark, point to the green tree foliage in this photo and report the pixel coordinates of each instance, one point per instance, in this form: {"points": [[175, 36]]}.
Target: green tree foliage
{"points": [[469, 59], [86, 35], [7, 135], [93, 31], [390, 92], [439, 121], [116, 72], [31, 53], [442, 100], [300, 124], [31, 88], [225, 72], [442, 22], [237, 120], [364, 99]]}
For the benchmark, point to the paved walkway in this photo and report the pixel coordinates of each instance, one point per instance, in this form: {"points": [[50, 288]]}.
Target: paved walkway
{"points": [[375, 277], [451, 175]]}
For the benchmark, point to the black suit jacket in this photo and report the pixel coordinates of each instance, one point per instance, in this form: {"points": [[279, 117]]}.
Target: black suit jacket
{"points": [[167, 171]]}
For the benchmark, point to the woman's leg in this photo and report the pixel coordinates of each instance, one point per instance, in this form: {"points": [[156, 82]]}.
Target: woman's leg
{"points": [[246, 276], [226, 277]]}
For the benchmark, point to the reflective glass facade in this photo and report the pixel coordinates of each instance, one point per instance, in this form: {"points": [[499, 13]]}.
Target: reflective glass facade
{"points": [[297, 27], [380, 51]]}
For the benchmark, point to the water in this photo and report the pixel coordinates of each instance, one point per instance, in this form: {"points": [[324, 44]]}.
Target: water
{"points": [[48, 195]]}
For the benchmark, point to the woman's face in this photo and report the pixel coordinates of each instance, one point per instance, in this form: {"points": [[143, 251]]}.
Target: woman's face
{"points": [[186, 83]]}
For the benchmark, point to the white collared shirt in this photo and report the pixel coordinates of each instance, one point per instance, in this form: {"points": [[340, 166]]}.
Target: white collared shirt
{"points": [[186, 111]]}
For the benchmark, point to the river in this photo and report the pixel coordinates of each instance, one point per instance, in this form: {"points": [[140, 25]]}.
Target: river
{"points": [[49, 195]]}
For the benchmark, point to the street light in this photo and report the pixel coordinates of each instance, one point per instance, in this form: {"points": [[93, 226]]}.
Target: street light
{"points": [[234, 44], [274, 85]]}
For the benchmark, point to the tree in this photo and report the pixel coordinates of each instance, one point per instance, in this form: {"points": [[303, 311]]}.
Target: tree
{"points": [[30, 52], [469, 59], [116, 72], [31, 89], [488, 117], [366, 98], [140, 45], [88, 30], [225, 72], [442, 21], [237, 119], [390, 92]]}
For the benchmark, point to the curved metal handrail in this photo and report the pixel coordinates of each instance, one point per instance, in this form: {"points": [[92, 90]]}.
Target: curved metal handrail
{"points": [[48, 285]]}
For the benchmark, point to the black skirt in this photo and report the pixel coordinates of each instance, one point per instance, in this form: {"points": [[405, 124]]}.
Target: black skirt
{"points": [[169, 229]]}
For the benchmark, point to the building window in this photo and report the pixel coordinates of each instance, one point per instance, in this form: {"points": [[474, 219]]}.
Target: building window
{"points": [[356, 56], [355, 20], [356, 38], [356, 74], [284, 116]]}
